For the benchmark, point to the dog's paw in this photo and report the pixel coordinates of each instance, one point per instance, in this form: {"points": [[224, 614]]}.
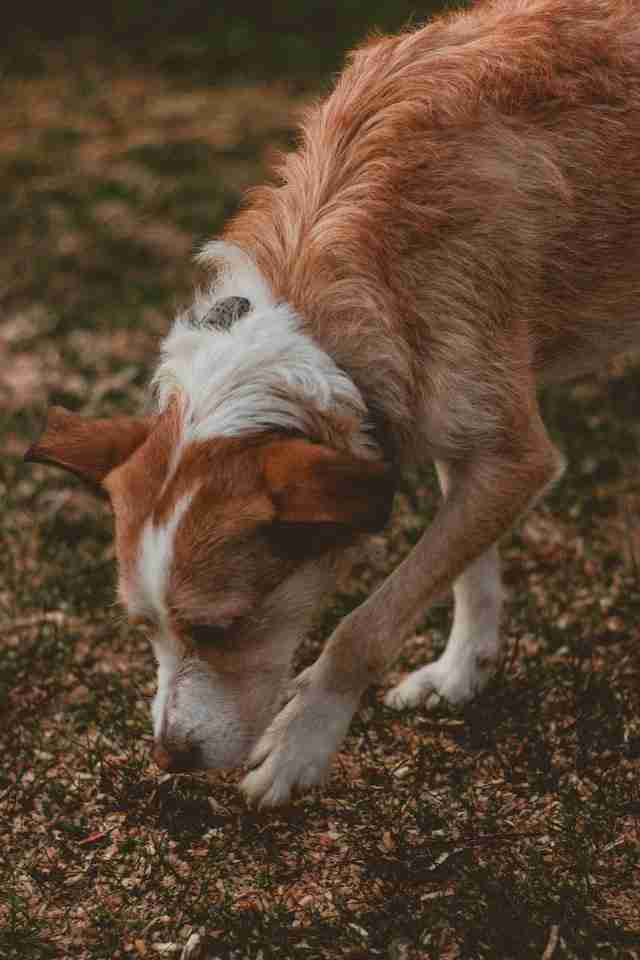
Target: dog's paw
{"points": [[296, 751], [453, 683]]}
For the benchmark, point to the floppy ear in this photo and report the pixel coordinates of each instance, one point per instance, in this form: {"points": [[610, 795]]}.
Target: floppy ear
{"points": [[86, 446], [310, 483]]}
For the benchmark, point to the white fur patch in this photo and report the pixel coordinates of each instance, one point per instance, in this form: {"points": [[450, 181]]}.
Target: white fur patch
{"points": [[168, 660], [473, 649], [262, 373], [194, 706], [154, 559], [237, 275]]}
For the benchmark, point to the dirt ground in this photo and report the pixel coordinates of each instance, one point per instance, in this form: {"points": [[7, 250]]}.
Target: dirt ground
{"points": [[508, 830]]}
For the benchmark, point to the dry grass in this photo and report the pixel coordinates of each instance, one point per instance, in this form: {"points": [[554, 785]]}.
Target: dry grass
{"points": [[510, 830]]}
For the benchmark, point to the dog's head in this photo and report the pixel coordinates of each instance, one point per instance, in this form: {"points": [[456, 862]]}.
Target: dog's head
{"points": [[225, 547]]}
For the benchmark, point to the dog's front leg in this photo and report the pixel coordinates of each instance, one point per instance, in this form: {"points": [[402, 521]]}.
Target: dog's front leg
{"points": [[473, 649], [489, 493]]}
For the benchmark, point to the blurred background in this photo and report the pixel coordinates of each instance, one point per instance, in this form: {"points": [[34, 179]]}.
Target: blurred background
{"points": [[302, 40], [128, 133]]}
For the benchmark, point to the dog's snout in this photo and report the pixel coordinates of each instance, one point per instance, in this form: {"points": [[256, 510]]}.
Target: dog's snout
{"points": [[174, 758]]}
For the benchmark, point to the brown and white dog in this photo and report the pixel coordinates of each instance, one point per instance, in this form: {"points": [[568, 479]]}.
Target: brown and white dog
{"points": [[460, 222]]}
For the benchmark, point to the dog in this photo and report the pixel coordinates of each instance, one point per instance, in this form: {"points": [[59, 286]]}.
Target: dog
{"points": [[460, 223]]}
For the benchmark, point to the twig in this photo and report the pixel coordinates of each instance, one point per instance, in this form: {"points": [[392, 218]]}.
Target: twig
{"points": [[550, 948], [465, 842], [508, 662], [631, 530]]}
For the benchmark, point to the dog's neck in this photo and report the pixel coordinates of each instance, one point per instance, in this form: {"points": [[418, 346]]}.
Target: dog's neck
{"points": [[259, 372]]}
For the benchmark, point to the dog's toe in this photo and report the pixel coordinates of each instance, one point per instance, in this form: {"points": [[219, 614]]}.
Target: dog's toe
{"points": [[410, 692], [296, 751], [262, 789], [434, 686], [433, 701]]}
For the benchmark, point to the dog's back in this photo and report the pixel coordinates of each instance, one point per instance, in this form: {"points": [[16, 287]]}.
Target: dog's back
{"points": [[466, 185]]}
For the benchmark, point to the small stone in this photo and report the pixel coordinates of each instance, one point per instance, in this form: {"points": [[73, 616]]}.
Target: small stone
{"points": [[402, 772]]}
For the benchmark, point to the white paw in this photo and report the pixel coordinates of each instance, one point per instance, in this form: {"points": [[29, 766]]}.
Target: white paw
{"points": [[454, 682], [296, 751]]}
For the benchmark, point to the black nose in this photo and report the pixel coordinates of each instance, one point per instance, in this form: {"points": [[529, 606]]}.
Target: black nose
{"points": [[177, 759]]}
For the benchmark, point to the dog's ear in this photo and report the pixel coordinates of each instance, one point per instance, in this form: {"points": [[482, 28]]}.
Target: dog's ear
{"points": [[309, 483], [88, 447]]}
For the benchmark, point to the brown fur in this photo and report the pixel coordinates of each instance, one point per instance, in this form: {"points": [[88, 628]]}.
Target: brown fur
{"points": [[134, 485], [88, 447], [459, 223], [465, 187], [249, 523]]}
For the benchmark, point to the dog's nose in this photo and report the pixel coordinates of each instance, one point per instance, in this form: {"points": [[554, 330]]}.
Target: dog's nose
{"points": [[177, 759]]}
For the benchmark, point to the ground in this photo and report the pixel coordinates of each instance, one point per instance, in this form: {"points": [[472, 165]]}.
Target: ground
{"points": [[508, 830]]}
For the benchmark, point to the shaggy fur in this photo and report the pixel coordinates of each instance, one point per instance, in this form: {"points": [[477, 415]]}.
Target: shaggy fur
{"points": [[459, 223], [465, 185]]}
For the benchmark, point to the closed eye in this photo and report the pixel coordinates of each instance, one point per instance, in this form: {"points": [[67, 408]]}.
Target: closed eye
{"points": [[209, 634]]}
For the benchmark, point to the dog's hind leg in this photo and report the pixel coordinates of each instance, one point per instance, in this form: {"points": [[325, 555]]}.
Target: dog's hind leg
{"points": [[473, 649]]}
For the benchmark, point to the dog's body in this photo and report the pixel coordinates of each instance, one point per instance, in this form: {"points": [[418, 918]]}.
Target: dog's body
{"points": [[461, 222]]}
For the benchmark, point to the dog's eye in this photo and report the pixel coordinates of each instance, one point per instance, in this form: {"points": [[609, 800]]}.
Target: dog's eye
{"points": [[209, 634]]}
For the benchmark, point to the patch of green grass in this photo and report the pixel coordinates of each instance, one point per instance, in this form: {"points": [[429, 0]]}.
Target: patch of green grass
{"points": [[173, 159], [20, 936], [200, 208], [24, 166], [61, 138], [305, 43]]}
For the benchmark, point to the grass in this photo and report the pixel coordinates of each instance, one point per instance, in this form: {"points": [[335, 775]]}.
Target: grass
{"points": [[509, 830]]}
